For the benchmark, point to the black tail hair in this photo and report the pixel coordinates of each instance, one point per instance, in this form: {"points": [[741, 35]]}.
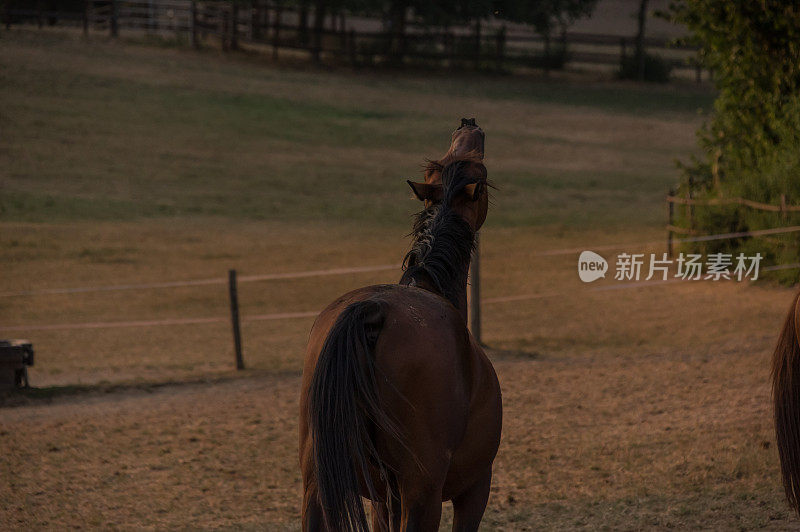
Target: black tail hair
{"points": [[344, 413]]}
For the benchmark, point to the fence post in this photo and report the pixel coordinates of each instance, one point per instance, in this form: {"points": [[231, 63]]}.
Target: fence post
{"points": [[690, 195], [478, 44], [7, 15], [783, 207], [303, 25], [86, 8], [342, 38], [193, 23], [622, 53], [202, 18], [475, 292], [237, 337], [113, 22], [501, 44], [234, 26], [351, 46], [263, 22], [670, 218], [452, 52], [226, 22], [255, 12], [276, 32]]}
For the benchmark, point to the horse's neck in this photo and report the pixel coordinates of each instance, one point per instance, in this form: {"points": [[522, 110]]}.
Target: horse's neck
{"points": [[420, 279], [439, 258]]}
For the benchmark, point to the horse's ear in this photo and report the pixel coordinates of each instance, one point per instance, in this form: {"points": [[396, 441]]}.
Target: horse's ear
{"points": [[473, 190], [425, 191]]}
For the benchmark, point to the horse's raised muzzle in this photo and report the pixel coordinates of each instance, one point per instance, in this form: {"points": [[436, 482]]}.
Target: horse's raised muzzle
{"points": [[468, 137]]}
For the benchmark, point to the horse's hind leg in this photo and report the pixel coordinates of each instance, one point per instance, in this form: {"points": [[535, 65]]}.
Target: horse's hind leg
{"points": [[422, 514], [468, 507]]}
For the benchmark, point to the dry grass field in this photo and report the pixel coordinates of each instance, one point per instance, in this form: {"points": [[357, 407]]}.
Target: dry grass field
{"points": [[642, 408]]}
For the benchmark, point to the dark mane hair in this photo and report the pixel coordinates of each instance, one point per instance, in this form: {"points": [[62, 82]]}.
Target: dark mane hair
{"points": [[443, 240]]}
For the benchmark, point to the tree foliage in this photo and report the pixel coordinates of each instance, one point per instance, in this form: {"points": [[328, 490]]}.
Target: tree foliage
{"points": [[750, 146], [545, 16]]}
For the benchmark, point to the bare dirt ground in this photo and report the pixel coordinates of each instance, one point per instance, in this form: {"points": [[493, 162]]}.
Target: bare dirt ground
{"points": [[625, 439]]}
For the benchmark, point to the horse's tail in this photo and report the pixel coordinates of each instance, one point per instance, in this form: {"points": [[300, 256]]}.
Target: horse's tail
{"points": [[344, 412], [786, 399]]}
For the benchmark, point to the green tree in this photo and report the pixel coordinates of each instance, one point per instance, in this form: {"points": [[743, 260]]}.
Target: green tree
{"points": [[751, 143], [545, 16]]}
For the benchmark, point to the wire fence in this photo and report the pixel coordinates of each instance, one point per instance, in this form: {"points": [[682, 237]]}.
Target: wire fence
{"points": [[345, 271], [477, 304]]}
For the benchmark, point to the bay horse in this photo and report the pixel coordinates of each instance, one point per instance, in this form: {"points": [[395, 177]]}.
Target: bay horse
{"points": [[786, 401], [399, 404]]}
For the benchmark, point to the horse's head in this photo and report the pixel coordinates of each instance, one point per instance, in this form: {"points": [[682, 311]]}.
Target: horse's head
{"points": [[459, 178]]}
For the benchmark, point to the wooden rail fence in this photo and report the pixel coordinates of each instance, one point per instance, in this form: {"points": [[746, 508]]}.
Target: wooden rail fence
{"points": [[672, 199], [346, 37]]}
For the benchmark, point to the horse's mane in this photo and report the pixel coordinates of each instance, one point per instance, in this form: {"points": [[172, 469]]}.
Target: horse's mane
{"points": [[443, 240]]}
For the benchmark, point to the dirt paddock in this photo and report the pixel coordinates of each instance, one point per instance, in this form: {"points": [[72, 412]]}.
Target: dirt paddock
{"points": [[647, 439]]}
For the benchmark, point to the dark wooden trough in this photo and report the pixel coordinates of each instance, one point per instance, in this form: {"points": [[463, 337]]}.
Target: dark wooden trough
{"points": [[15, 357]]}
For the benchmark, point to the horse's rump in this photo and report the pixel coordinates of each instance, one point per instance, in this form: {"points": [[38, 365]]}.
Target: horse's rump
{"points": [[383, 357]]}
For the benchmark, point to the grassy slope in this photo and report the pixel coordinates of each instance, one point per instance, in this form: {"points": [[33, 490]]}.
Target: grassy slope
{"points": [[635, 409], [107, 132]]}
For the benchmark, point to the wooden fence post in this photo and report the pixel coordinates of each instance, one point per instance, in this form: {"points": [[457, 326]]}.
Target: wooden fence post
{"points": [[501, 45], [478, 44], [276, 32], [226, 23], [255, 14], [351, 47], [690, 195], [303, 25], [237, 337], [670, 218], [622, 53], [263, 22], [783, 207], [475, 292], [234, 26], [453, 40], [86, 8], [342, 38], [113, 23], [193, 23]]}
